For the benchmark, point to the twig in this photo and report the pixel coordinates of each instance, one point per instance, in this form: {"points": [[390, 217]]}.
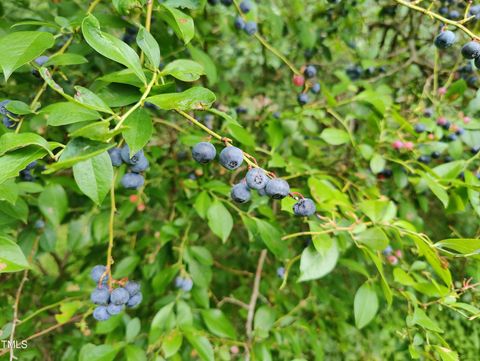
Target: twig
{"points": [[254, 297], [233, 301]]}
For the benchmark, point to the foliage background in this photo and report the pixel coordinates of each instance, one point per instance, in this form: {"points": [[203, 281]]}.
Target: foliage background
{"points": [[335, 149]]}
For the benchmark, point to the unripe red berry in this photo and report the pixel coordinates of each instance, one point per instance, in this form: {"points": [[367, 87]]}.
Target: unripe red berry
{"points": [[441, 121], [392, 260], [133, 198], [442, 91], [408, 145], [399, 253], [467, 120], [298, 80], [398, 144], [141, 207], [234, 349]]}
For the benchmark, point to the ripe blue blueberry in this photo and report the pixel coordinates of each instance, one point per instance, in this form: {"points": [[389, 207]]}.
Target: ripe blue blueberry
{"points": [[179, 281], [241, 110], [239, 23], [277, 188], [231, 157], [41, 60], [187, 284], [115, 156], [113, 309], [281, 272], [420, 128], [100, 313], [125, 154], [250, 27], [245, 6], [460, 131], [304, 207], [354, 72], [97, 273], [443, 10], [119, 296], [226, 2], [425, 159], [135, 300], [132, 180], [141, 166], [316, 88], [302, 98], [471, 50], [428, 113], [388, 250], [132, 287], [310, 71], [100, 296], [204, 152], [256, 178], [445, 39], [475, 149], [26, 175], [454, 15], [7, 115], [213, 2], [240, 193], [262, 192], [39, 224], [435, 154]]}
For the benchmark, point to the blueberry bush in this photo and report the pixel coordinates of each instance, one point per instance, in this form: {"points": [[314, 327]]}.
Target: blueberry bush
{"points": [[239, 180]]}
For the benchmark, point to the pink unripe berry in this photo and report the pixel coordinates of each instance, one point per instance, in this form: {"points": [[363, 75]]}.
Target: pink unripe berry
{"points": [[442, 91], [408, 145], [467, 120], [441, 121], [431, 136], [298, 80], [392, 260], [234, 349], [399, 253], [398, 144]]}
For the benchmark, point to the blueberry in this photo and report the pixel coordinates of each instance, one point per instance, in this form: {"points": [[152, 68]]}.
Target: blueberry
{"points": [[7, 115], [132, 180], [420, 128], [302, 98], [310, 71], [135, 300], [141, 165], [435, 155], [128, 38], [204, 152], [39, 224], [132, 287], [245, 6], [239, 23], [250, 27], [451, 137], [151, 106], [387, 250], [213, 2], [125, 154], [100, 313], [445, 39], [475, 149], [443, 10], [471, 50], [31, 165], [281, 272], [454, 15], [226, 2], [446, 125], [97, 273], [448, 159], [256, 178], [276, 115], [240, 193], [262, 192], [472, 80], [26, 175], [309, 53], [231, 157], [41, 60], [113, 309], [277, 188], [100, 296], [354, 72], [241, 110], [315, 88], [179, 281], [187, 285], [428, 112], [304, 207], [424, 159], [119, 296], [115, 156], [460, 131]]}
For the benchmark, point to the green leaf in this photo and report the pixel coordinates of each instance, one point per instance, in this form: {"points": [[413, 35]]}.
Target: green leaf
{"points": [[66, 59], [463, 246], [446, 354], [150, 47], [13, 141], [375, 238], [220, 220], [53, 203], [314, 265], [218, 324], [206, 61], [436, 189], [133, 329], [264, 320], [272, 238], [111, 47], [365, 305], [90, 99], [172, 343], [18, 107], [420, 318], [12, 258], [139, 130], [202, 203], [184, 70], [377, 163], [378, 210], [91, 352], [12, 163], [202, 345], [194, 98], [9, 191], [180, 22], [94, 176], [77, 150], [21, 47], [135, 353], [335, 136], [67, 113], [126, 266], [96, 131], [241, 134]]}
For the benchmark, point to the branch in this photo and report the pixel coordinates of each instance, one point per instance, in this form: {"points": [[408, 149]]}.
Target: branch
{"points": [[254, 297]]}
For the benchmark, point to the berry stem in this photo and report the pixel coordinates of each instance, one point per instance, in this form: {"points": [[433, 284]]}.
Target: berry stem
{"points": [[457, 24], [148, 24], [111, 231]]}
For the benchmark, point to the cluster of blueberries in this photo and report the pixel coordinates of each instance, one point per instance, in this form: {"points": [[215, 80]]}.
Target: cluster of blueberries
{"points": [[449, 11], [112, 303], [9, 119], [356, 72], [470, 51], [392, 256], [184, 283], [467, 73], [231, 158], [138, 163], [249, 27], [309, 72]]}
